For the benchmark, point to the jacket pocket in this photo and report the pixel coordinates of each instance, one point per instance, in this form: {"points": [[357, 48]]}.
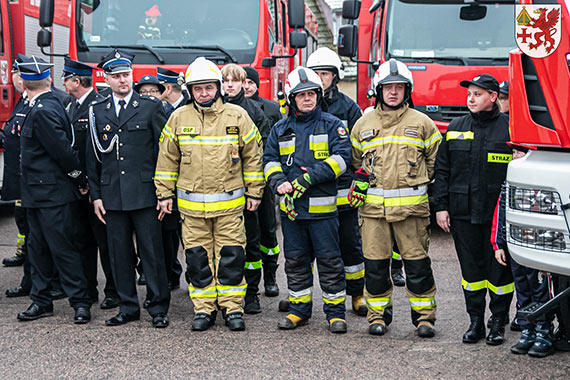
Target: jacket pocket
{"points": [[41, 179], [105, 180], [43, 186], [459, 199], [147, 177]]}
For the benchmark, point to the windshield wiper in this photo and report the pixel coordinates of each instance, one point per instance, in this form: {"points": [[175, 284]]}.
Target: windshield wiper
{"points": [[137, 47], [229, 55]]}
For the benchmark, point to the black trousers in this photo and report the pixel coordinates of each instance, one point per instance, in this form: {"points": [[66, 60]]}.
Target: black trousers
{"points": [[253, 261], [54, 231], [480, 270], [145, 225], [171, 242], [351, 251]]}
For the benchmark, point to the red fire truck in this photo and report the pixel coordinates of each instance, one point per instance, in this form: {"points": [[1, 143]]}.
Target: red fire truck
{"points": [[442, 42]]}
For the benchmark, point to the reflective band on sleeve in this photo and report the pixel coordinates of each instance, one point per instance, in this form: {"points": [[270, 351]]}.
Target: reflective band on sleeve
{"points": [[354, 272], [211, 202], [167, 176], [501, 290], [270, 168], [251, 134], [355, 143], [337, 164], [378, 303], [287, 147], [322, 205], [433, 139], [209, 292], [473, 286], [422, 303], [167, 131], [319, 143], [501, 158], [208, 140], [253, 265], [269, 251], [456, 135], [341, 197], [253, 176], [334, 299], [231, 290], [301, 296]]}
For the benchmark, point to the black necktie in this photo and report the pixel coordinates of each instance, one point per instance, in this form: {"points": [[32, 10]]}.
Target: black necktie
{"points": [[122, 107]]}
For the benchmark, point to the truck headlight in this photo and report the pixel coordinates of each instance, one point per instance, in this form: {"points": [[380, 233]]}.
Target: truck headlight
{"points": [[534, 200], [538, 238]]}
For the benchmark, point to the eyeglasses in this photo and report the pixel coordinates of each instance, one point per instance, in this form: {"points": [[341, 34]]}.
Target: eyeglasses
{"points": [[149, 92]]}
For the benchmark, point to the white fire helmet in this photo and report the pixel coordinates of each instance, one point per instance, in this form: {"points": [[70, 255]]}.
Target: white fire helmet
{"points": [[325, 59], [393, 71], [302, 79], [203, 71]]}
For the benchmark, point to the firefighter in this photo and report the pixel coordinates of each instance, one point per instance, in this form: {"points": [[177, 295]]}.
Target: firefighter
{"points": [[233, 80], [394, 149], [267, 222], [210, 159], [78, 81], [504, 97], [52, 181], [328, 67], [125, 128], [305, 154], [470, 169]]}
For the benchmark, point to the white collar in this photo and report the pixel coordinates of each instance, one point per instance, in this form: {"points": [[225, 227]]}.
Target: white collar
{"points": [[127, 99], [82, 99], [35, 97], [177, 103]]}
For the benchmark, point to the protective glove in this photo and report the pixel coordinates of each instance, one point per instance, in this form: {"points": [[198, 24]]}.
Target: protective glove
{"points": [[300, 185], [290, 207], [358, 188]]}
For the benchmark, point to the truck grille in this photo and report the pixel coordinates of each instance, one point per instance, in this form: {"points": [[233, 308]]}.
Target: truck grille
{"points": [[443, 112]]}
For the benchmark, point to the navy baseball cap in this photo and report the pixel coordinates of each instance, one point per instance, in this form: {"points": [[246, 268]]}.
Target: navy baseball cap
{"points": [[485, 81]]}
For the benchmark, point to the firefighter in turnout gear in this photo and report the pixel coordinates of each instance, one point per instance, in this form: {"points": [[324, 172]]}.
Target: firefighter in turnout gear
{"points": [[394, 149], [470, 169], [305, 155], [328, 66], [210, 158]]}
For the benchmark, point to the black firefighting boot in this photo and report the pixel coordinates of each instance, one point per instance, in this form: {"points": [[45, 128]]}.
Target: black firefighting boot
{"points": [[497, 334], [284, 305], [543, 345], [251, 304], [377, 327], [526, 341], [291, 321], [397, 273], [235, 322], [203, 321], [426, 329], [475, 331], [14, 261], [270, 278], [338, 326]]}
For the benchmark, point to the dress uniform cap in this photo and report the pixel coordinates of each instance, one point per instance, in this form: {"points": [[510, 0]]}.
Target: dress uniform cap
{"points": [[116, 62], [504, 87], [166, 76], [71, 68], [485, 81], [149, 79], [19, 59], [32, 68]]}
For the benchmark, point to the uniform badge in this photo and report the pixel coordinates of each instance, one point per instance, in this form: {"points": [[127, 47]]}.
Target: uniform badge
{"points": [[135, 103], [117, 55], [107, 128], [108, 106], [342, 132], [40, 105], [105, 137], [233, 130], [188, 130], [235, 156], [365, 135], [410, 132]]}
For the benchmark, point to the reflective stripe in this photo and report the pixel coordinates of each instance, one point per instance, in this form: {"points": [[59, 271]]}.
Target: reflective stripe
{"points": [[231, 290], [21, 239], [433, 139], [456, 135], [354, 272], [334, 299], [202, 293], [398, 140], [502, 158], [321, 205], [282, 204], [378, 303], [501, 290], [211, 202], [251, 134], [301, 296], [405, 192], [253, 265], [422, 303], [406, 201], [355, 143], [319, 142], [207, 140], [337, 164], [167, 131], [407, 196], [341, 197], [269, 251], [375, 196], [473, 286], [396, 255], [169, 176], [287, 147], [270, 168], [253, 176]]}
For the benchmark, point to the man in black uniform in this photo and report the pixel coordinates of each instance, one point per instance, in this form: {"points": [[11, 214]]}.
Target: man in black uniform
{"points": [[51, 184], [470, 169], [124, 132], [234, 78], [172, 96], [78, 81], [267, 221]]}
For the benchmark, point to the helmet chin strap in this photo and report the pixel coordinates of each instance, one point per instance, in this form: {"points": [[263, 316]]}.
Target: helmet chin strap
{"points": [[380, 97], [210, 102]]}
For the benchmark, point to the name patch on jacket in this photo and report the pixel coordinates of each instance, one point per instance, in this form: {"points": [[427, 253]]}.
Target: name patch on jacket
{"points": [[188, 130], [232, 130], [365, 135], [501, 158], [410, 132]]}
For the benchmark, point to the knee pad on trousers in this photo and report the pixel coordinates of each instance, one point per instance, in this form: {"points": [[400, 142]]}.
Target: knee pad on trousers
{"points": [[419, 277], [331, 274], [377, 275], [232, 265], [198, 272], [298, 270]]}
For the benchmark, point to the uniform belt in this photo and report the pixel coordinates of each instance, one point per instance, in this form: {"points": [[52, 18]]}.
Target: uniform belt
{"points": [[210, 198]]}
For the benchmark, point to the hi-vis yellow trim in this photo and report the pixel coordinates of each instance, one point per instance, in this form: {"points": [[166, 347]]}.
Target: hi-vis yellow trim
{"points": [[501, 158], [251, 134], [209, 292], [168, 176], [207, 140], [231, 290], [270, 168], [405, 201], [399, 140], [456, 135], [167, 131], [378, 303], [336, 164], [213, 206], [253, 176], [484, 284], [285, 150], [474, 286], [301, 296], [422, 303]]}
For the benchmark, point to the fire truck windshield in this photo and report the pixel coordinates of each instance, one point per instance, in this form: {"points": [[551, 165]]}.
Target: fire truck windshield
{"points": [[163, 26], [448, 34]]}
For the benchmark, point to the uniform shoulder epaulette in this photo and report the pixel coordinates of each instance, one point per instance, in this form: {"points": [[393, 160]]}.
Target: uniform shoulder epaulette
{"points": [[100, 99], [154, 99]]}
